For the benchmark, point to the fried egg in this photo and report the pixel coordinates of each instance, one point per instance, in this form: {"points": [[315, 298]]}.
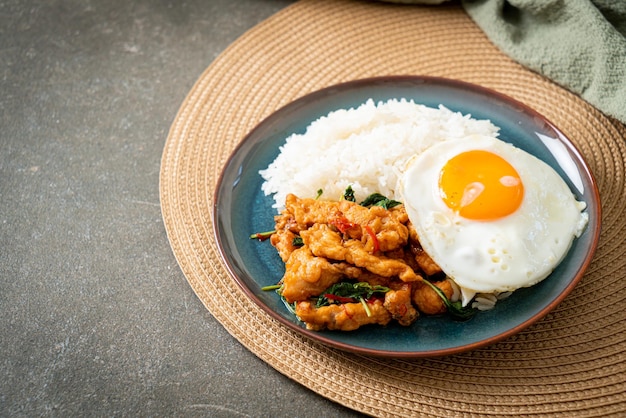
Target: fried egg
{"points": [[494, 217]]}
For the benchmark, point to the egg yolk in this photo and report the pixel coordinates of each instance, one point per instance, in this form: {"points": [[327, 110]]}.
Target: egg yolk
{"points": [[480, 185]]}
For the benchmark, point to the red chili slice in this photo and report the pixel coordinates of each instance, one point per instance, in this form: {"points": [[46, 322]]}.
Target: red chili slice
{"points": [[342, 224], [372, 235], [341, 299], [262, 237]]}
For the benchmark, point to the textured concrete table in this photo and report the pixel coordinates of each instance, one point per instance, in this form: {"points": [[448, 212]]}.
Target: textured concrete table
{"points": [[97, 318]]}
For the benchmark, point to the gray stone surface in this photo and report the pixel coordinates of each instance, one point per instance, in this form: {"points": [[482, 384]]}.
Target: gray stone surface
{"points": [[97, 318]]}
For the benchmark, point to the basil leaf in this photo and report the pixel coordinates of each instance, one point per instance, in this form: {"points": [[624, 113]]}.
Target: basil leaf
{"points": [[354, 291], [377, 199], [348, 194], [455, 309]]}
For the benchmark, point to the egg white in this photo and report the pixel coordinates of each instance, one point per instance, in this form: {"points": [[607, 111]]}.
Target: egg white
{"points": [[515, 251]]}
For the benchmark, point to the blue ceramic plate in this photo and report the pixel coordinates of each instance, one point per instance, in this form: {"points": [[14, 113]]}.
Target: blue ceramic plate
{"points": [[241, 208]]}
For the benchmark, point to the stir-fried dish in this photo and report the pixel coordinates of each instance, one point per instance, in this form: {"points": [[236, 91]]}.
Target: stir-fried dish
{"points": [[349, 264]]}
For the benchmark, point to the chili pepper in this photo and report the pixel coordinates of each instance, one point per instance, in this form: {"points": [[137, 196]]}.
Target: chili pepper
{"points": [[342, 224], [340, 299], [262, 236], [372, 235]]}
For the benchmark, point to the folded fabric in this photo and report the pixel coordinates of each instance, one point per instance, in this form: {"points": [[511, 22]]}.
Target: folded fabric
{"points": [[578, 44]]}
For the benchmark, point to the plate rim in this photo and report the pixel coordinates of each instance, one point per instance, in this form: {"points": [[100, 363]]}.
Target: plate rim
{"points": [[594, 198]]}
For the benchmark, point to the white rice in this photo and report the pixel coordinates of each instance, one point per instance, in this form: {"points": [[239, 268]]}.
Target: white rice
{"points": [[482, 301], [366, 147]]}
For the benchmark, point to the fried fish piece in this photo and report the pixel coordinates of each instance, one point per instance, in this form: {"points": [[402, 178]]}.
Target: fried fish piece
{"points": [[398, 303], [324, 242], [349, 217], [427, 300], [342, 317], [282, 240], [306, 212], [307, 275], [387, 225], [424, 261]]}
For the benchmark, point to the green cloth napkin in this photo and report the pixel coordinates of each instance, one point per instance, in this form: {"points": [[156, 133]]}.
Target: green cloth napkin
{"points": [[578, 44]]}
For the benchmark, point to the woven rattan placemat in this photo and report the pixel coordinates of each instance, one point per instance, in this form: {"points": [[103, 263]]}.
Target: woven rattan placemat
{"points": [[571, 363]]}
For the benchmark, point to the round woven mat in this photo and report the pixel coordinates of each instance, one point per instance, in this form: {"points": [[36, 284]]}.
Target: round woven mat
{"points": [[571, 363]]}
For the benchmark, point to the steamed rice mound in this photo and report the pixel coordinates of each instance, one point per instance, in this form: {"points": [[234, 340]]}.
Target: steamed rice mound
{"points": [[367, 147]]}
